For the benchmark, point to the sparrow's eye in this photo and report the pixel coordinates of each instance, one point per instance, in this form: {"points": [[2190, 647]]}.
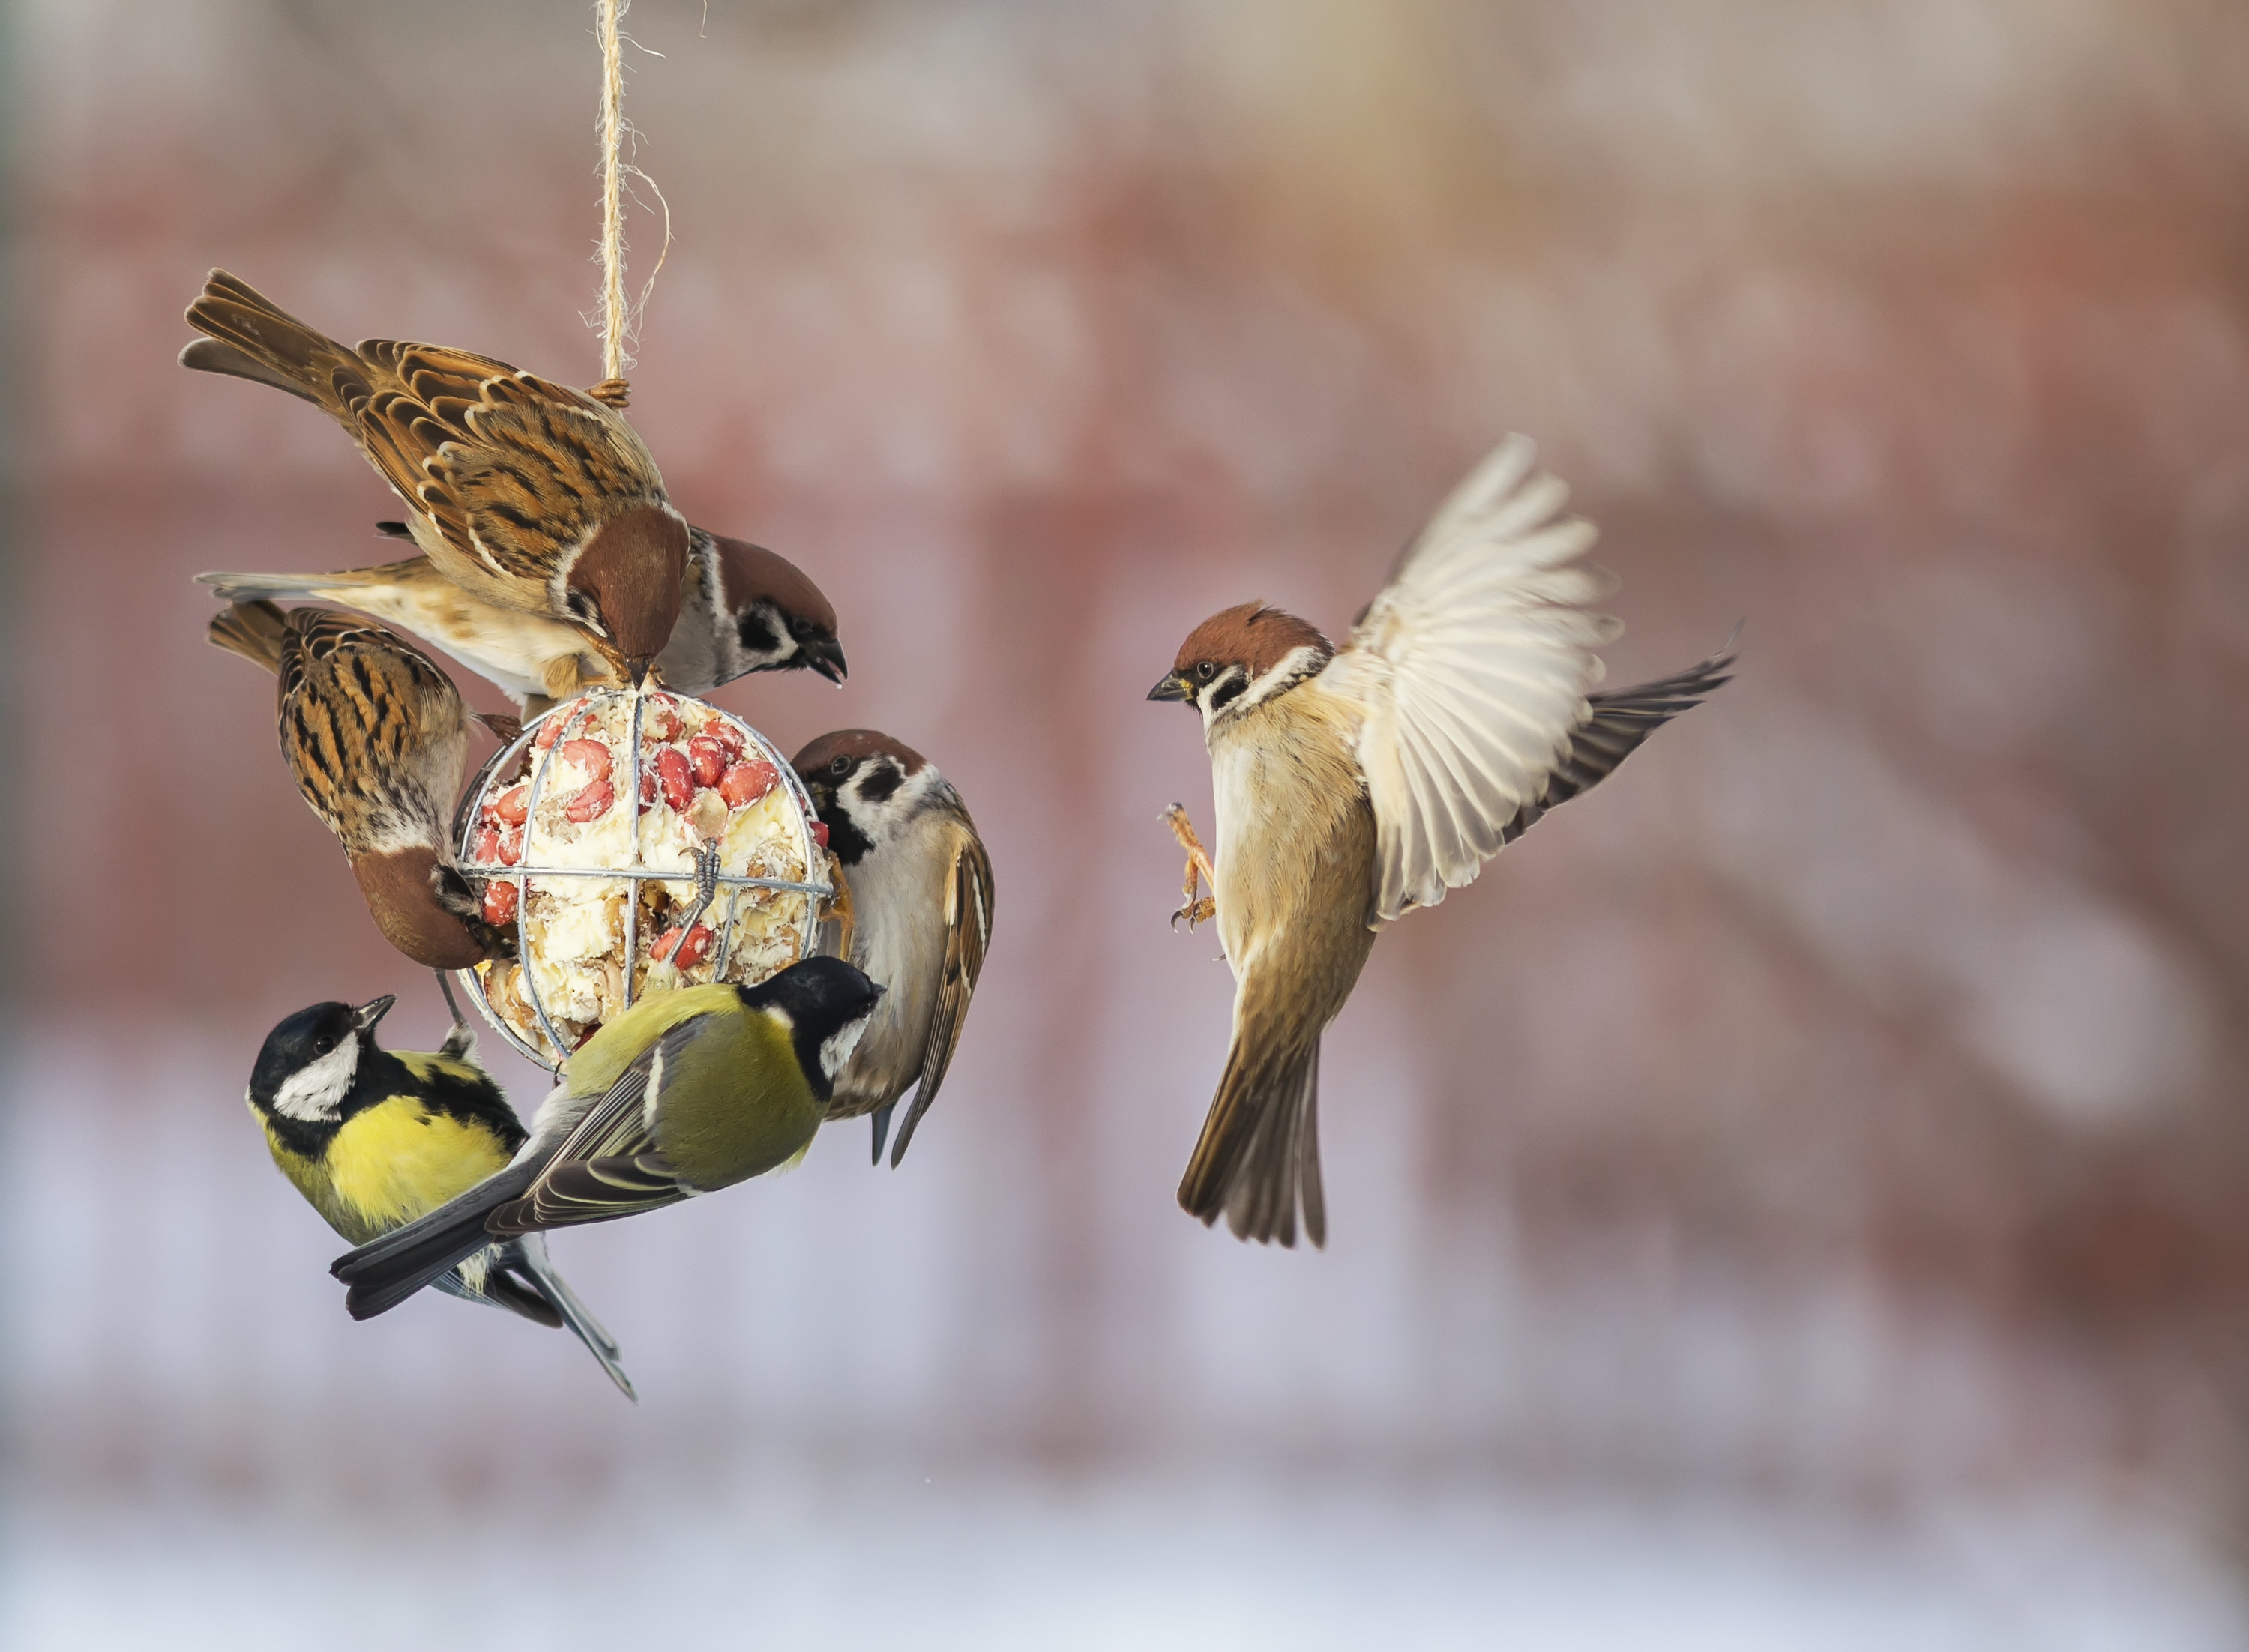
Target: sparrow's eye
{"points": [[840, 767], [801, 629], [1204, 671]]}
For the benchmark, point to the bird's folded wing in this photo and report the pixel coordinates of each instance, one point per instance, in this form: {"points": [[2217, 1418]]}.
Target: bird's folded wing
{"points": [[968, 934], [608, 1165], [1471, 670], [508, 466]]}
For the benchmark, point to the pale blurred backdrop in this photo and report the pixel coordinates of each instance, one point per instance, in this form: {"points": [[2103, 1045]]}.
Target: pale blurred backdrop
{"points": [[1799, 1198]]}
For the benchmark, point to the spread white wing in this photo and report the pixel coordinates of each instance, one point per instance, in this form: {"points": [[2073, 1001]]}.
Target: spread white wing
{"points": [[1472, 668]]}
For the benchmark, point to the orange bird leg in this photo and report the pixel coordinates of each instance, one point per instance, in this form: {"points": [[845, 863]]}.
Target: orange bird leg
{"points": [[1199, 870]]}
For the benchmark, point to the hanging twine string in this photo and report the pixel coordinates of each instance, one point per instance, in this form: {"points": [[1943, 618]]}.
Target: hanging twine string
{"points": [[619, 317]]}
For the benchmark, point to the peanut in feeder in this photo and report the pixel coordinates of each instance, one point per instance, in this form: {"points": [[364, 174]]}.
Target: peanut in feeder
{"points": [[638, 840]]}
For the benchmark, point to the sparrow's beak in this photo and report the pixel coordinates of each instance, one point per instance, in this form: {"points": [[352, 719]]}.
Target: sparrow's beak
{"points": [[1173, 687], [638, 666], [825, 655], [373, 1010]]}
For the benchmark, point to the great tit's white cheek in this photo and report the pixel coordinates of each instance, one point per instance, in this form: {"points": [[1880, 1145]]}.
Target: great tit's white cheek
{"points": [[837, 1048], [315, 1090]]}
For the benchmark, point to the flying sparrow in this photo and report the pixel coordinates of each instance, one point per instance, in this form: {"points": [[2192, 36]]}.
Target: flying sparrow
{"points": [[527, 493], [1354, 785], [743, 609], [377, 737], [920, 887]]}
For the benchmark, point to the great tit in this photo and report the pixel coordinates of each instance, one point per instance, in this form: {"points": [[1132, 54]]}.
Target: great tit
{"points": [[690, 1091], [373, 1139]]}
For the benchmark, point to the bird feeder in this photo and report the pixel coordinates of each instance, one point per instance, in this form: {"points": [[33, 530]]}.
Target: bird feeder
{"points": [[633, 841]]}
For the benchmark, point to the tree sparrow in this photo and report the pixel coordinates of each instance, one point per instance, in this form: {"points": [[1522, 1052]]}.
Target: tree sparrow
{"points": [[523, 492], [1352, 786], [920, 887], [377, 737], [744, 609]]}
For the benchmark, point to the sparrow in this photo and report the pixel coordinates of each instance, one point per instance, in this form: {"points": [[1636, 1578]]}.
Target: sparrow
{"points": [[744, 609], [690, 1091], [377, 737], [1353, 786], [374, 1138], [920, 887], [527, 493]]}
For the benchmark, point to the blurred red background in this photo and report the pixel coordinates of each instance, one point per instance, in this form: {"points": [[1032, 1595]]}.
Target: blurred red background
{"points": [[1840, 1105]]}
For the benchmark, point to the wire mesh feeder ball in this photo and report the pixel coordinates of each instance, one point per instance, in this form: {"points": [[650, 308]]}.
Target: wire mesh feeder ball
{"points": [[718, 874]]}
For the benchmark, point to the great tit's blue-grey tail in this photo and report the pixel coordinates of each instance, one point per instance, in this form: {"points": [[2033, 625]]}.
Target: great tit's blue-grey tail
{"points": [[526, 1255]]}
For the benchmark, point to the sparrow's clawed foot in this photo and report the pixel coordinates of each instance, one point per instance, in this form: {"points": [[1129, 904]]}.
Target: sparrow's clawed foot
{"points": [[1200, 871]]}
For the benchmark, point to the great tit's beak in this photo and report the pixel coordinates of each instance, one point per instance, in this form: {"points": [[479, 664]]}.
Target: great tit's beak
{"points": [[825, 655], [368, 1014], [1173, 687]]}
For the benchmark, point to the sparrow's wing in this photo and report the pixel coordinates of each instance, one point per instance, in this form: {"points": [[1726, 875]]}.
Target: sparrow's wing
{"points": [[967, 932], [1621, 719], [510, 468], [608, 1166], [1471, 668], [359, 722]]}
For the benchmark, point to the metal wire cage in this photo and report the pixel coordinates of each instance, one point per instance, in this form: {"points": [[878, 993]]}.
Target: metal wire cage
{"points": [[703, 881]]}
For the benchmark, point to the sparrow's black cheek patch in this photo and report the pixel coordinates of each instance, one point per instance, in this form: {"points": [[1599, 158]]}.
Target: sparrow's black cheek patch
{"points": [[880, 782], [756, 631], [848, 842], [1227, 692]]}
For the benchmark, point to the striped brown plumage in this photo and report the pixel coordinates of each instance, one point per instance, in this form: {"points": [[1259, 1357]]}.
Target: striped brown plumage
{"points": [[526, 492], [377, 737]]}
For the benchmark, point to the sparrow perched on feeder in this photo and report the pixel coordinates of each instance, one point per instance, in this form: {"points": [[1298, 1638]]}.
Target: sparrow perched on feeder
{"points": [[374, 1138], [744, 609], [377, 737], [1354, 785], [921, 899], [688, 1092], [525, 492]]}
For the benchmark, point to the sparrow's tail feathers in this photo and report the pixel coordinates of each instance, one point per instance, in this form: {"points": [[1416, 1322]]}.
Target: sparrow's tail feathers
{"points": [[268, 587], [384, 1272], [1258, 1162], [254, 630], [216, 355], [257, 340], [1621, 719], [527, 1257]]}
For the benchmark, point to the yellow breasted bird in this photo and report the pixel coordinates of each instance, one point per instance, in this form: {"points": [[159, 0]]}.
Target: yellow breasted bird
{"points": [[375, 1138], [688, 1091]]}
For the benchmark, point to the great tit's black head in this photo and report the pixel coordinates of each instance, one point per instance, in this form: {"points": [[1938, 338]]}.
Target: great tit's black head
{"points": [[306, 1071], [1242, 657], [779, 620], [866, 786], [827, 1002]]}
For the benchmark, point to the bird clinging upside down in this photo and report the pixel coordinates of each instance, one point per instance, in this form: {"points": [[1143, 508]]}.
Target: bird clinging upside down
{"points": [[377, 738], [690, 1091], [1352, 785], [525, 492], [374, 1138]]}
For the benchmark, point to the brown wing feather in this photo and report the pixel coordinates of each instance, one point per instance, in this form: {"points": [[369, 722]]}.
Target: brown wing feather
{"points": [[508, 467], [967, 936], [358, 728]]}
